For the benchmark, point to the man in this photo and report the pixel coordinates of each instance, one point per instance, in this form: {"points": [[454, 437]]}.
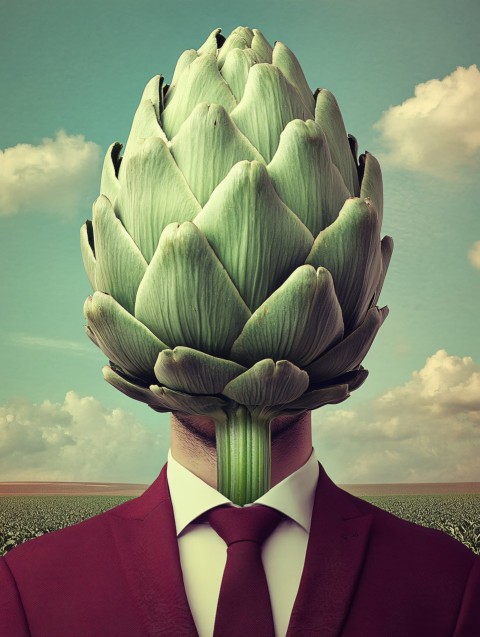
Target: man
{"points": [[335, 565]]}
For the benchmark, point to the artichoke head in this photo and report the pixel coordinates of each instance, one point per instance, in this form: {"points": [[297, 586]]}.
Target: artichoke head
{"points": [[234, 250]]}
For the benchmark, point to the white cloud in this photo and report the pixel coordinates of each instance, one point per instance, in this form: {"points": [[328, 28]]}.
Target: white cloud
{"points": [[438, 130], [474, 255], [52, 343], [78, 440], [427, 430], [52, 177]]}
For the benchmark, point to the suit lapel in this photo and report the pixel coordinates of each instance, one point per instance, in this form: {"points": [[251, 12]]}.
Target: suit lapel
{"points": [[145, 536], [335, 551]]}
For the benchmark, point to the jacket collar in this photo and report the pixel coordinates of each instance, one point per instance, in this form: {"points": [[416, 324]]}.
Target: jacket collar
{"points": [[333, 562], [145, 537], [146, 540]]}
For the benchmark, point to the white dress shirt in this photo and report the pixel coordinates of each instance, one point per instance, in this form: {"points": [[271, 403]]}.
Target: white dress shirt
{"points": [[203, 553]]}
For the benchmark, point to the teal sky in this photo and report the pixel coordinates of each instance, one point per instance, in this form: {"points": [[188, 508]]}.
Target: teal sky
{"points": [[80, 68]]}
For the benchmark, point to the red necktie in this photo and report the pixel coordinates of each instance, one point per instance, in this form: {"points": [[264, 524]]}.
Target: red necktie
{"points": [[244, 608]]}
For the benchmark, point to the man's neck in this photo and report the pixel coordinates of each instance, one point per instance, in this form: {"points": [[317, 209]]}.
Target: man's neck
{"points": [[291, 445]]}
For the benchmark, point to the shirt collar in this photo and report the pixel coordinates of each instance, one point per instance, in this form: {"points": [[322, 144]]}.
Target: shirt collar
{"points": [[293, 496]]}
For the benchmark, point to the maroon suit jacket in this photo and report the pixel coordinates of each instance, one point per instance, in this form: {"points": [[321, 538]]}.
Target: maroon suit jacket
{"points": [[367, 574]]}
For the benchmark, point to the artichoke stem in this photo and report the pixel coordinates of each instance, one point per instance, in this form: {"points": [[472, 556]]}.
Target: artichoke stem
{"points": [[243, 455]]}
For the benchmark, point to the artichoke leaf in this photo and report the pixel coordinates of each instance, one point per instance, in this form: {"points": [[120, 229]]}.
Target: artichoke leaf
{"points": [[354, 379], [115, 358], [200, 81], [211, 44], [137, 392], [257, 238], [372, 183], [187, 404], [328, 115], [195, 372], [301, 319], [207, 146], [349, 353], [91, 336], [236, 69], [386, 247], [135, 347], [153, 91], [120, 264], [153, 194], [184, 60], [88, 256], [144, 125], [268, 104], [304, 177], [339, 195], [319, 397], [239, 38], [261, 46], [147, 116], [268, 383], [186, 296], [284, 59], [109, 185], [350, 249]]}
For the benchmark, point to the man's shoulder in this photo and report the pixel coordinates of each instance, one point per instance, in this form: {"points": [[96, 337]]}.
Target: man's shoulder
{"points": [[83, 539], [412, 580], [402, 539], [74, 580]]}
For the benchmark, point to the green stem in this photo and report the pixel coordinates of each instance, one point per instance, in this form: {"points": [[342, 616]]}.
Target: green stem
{"points": [[243, 455]]}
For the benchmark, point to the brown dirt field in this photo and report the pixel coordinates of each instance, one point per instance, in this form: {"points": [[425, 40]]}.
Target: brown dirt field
{"points": [[70, 488], [419, 488]]}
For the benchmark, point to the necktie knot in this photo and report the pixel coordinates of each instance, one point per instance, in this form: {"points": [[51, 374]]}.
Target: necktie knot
{"points": [[244, 524]]}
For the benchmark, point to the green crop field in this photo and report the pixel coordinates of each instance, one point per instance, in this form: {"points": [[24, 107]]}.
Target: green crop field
{"points": [[26, 517], [455, 514]]}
